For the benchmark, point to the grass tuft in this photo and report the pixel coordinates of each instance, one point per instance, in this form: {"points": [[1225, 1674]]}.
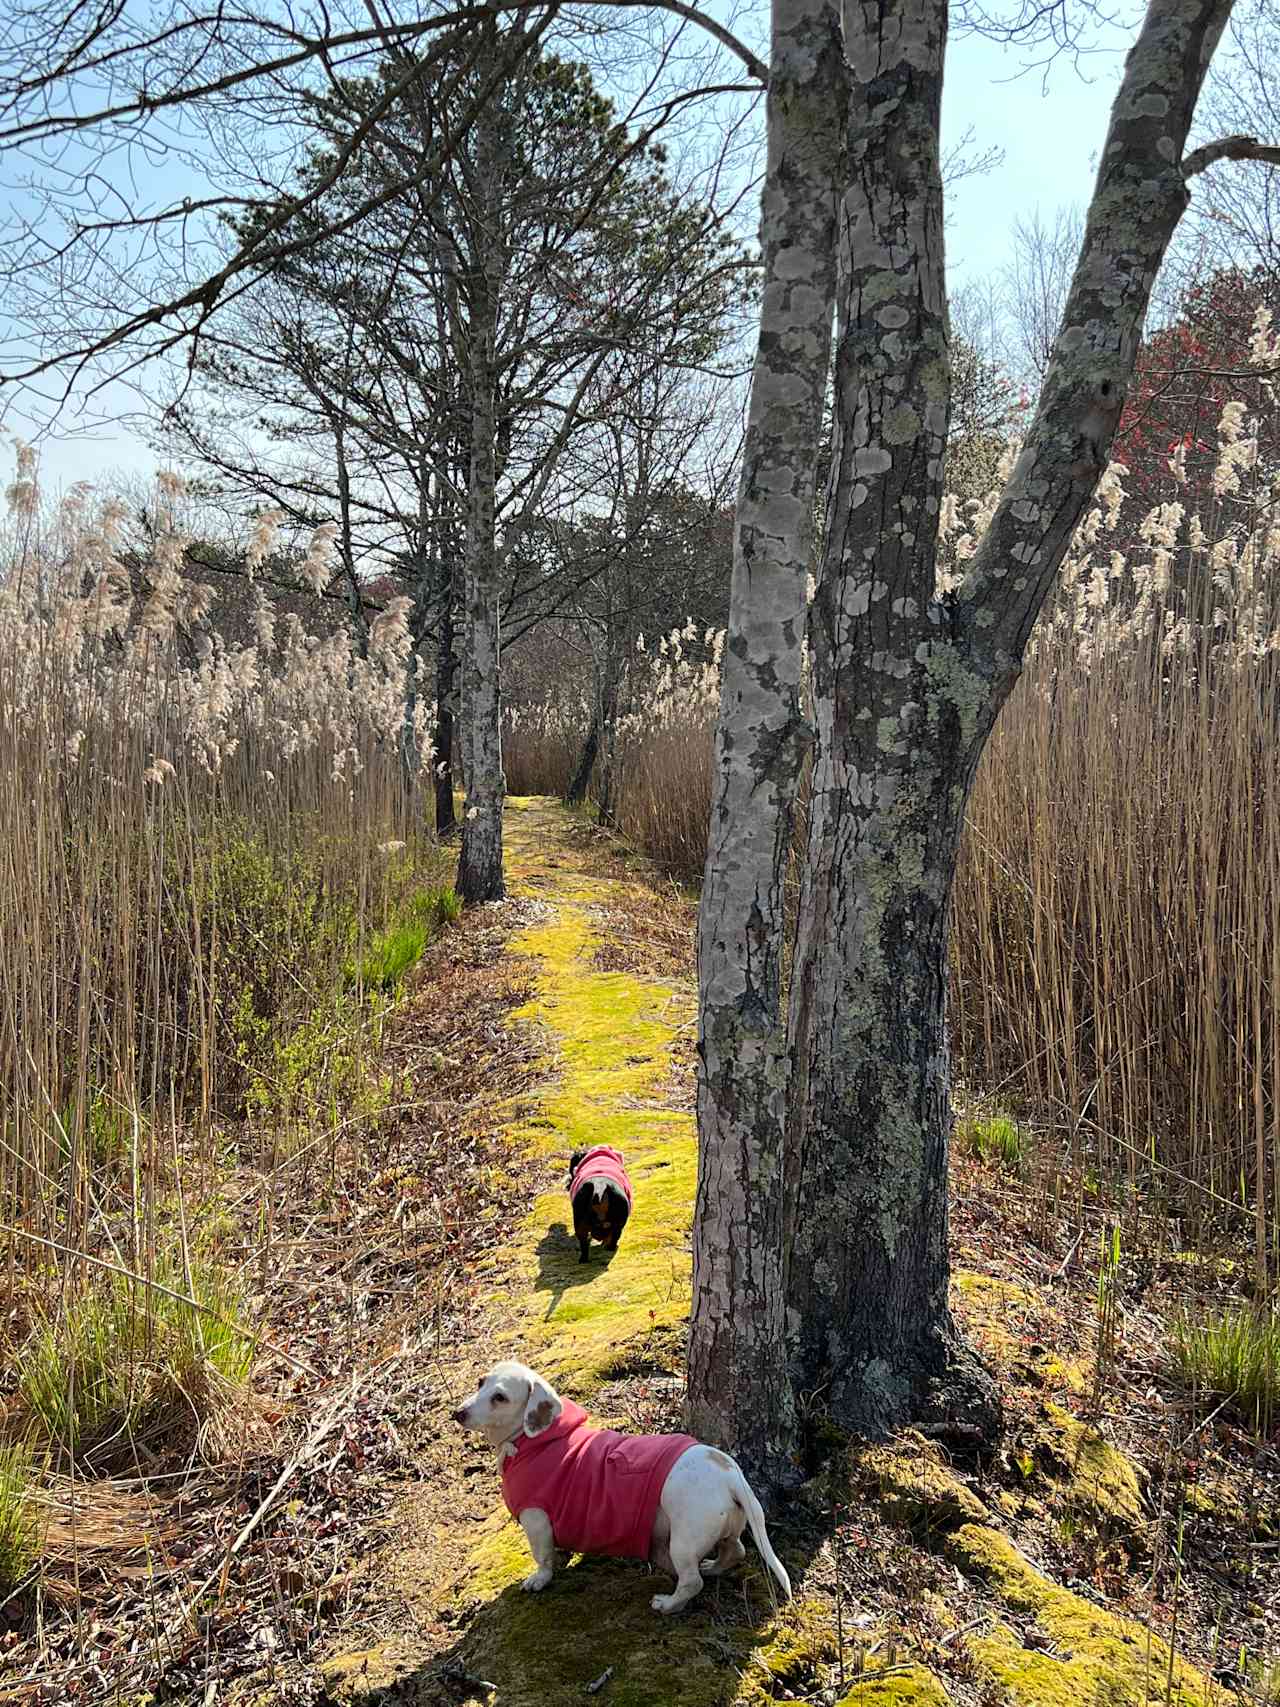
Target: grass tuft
{"points": [[398, 949], [1233, 1355], [124, 1361], [996, 1141]]}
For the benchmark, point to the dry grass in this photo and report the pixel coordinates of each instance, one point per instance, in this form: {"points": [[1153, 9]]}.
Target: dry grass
{"points": [[1116, 957], [213, 890]]}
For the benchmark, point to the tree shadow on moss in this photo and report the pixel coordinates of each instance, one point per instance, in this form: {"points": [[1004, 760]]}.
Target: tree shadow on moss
{"points": [[559, 1270], [544, 1650]]}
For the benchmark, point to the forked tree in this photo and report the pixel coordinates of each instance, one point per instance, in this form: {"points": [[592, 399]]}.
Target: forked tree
{"points": [[820, 1244]]}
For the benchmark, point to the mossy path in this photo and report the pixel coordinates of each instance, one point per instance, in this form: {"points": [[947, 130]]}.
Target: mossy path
{"points": [[470, 1635], [610, 1040], [611, 1035]]}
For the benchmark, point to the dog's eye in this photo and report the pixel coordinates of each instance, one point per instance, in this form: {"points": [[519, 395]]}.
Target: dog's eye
{"points": [[499, 1398]]}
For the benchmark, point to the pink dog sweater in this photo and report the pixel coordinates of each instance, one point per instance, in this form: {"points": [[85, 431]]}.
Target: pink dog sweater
{"points": [[604, 1162], [599, 1488]]}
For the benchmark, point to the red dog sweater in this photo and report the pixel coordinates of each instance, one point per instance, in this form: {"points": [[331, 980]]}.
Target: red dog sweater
{"points": [[604, 1162], [599, 1488]]}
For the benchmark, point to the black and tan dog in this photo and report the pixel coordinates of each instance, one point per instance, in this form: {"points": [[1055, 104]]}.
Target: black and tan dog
{"points": [[601, 1196]]}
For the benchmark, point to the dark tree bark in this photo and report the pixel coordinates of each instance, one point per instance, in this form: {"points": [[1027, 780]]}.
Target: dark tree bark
{"points": [[446, 672], [480, 874], [610, 710], [581, 779]]}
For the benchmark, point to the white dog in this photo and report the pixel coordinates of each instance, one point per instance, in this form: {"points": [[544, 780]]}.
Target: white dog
{"points": [[663, 1497]]}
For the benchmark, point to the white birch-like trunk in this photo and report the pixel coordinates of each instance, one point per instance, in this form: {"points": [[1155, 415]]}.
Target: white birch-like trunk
{"points": [[739, 1391], [907, 688]]}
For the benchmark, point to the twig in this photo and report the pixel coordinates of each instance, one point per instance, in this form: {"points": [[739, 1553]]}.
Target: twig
{"points": [[1070, 1256], [310, 1446], [964, 1629], [454, 1673]]}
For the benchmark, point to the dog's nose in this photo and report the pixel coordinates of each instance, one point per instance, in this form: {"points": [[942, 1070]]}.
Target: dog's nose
{"points": [[460, 1415]]}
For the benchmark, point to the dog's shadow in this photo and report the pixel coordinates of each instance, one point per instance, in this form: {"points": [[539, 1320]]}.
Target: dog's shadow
{"points": [[596, 1617], [559, 1269]]}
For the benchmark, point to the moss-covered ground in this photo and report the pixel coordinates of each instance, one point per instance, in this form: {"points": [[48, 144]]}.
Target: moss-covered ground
{"points": [[914, 1577]]}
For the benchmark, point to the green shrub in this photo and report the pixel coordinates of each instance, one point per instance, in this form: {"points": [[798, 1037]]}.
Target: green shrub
{"points": [[996, 1141], [104, 1133], [277, 926], [1233, 1355], [318, 1073], [124, 1359]]}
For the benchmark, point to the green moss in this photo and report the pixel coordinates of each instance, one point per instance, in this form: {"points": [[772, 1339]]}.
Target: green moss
{"points": [[801, 1641], [1096, 1480], [904, 1686], [500, 1558], [610, 1037], [916, 1489], [365, 1674], [1094, 1656], [985, 1304], [1226, 1507], [993, 1310], [545, 1648]]}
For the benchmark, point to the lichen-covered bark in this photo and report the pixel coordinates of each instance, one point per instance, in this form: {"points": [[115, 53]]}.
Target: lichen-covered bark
{"points": [[866, 1180], [739, 1392], [907, 688]]}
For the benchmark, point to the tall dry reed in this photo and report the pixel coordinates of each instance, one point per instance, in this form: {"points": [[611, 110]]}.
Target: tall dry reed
{"points": [[192, 846]]}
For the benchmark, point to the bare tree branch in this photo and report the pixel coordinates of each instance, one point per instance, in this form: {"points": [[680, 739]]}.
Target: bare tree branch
{"points": [[1229, 148]]}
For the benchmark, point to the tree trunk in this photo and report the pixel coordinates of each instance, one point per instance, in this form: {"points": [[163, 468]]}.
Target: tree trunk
{"points": [[907, 688], [480, 866], [446, 671], [610, 709], [480, 876], [866, 1215], [867, 1162], [739, 1389], [586, 763]]}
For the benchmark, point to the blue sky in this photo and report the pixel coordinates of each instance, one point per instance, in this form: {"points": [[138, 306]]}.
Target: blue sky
{"points": [[1050, 126]]}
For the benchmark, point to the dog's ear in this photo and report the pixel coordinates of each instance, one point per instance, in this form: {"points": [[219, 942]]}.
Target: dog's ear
{"points": [[542, 1409]]}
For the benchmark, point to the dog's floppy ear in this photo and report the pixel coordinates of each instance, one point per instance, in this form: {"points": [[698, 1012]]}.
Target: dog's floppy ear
{"points": [[542, 1408]]}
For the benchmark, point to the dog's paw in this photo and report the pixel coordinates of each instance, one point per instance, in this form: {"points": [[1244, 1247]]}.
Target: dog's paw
{"points": [[664, 1603], [538, 1581]]}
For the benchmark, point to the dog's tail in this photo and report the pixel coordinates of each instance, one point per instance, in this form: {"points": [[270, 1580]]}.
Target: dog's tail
{"points": [[742, 1492]]}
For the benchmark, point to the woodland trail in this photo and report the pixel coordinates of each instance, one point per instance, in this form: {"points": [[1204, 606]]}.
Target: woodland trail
{"points": [[914, 1577], [609, 1333]]}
